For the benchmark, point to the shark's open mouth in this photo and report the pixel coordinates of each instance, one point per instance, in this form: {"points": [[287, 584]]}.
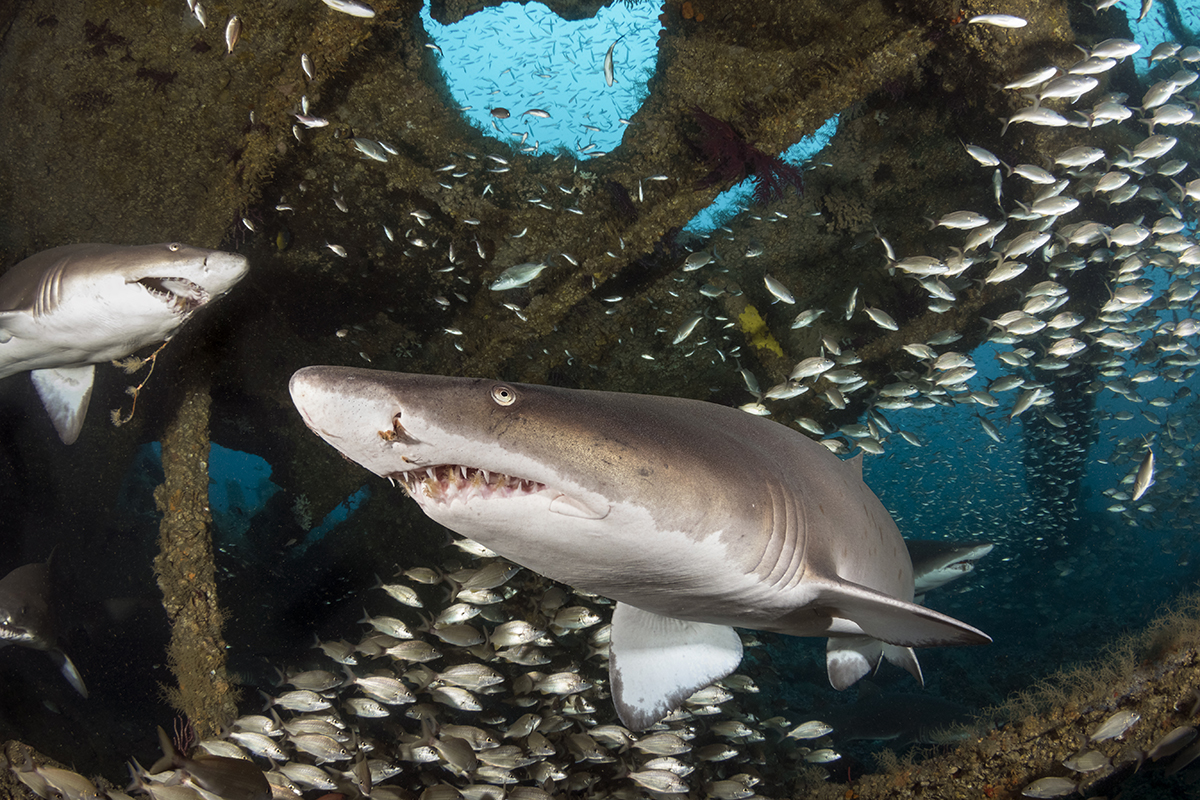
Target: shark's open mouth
{"points": [[12, 633], [181, 294], [445, 483]]}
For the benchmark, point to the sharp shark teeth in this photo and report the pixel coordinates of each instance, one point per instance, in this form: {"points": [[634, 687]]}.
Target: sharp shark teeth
{"points": [[181, 294], [444, 483]]}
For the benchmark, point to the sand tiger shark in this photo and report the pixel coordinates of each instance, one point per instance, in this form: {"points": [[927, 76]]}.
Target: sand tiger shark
{"points": [[694, 517], [64, 310], [27, 617]]}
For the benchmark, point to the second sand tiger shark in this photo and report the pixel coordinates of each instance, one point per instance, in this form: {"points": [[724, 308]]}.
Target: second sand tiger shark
{"points": [[64, 310], [694, 517]]}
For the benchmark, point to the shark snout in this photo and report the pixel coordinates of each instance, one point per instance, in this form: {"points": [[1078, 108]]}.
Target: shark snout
{"points": [[310, 394], [343, 406]]}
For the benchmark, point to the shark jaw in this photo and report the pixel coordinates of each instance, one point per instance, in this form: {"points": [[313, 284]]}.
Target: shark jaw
{"points": [[437, 488], [180, 295]]}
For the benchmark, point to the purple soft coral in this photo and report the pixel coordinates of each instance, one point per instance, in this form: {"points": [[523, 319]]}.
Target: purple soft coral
{"points": [[731, 158]]}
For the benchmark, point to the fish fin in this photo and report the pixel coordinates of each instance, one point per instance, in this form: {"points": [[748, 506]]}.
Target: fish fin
{"points": [[855, 465], [67, 667], [657, 662], [848, 659], [894, 621], [906, 658], [65, 393], [168, 757]]}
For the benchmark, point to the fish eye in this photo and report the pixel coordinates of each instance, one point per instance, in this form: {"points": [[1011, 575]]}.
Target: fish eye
{"points": [[504, 395], [174, 247]]}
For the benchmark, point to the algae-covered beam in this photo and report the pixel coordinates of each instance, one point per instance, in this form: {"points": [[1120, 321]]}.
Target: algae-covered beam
{"points": [[185, 569]]}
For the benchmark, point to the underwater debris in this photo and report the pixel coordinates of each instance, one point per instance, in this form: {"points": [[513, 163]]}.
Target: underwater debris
{"points": [[731, 158]]}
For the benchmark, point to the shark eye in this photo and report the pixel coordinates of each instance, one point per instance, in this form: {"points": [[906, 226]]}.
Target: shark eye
{"points": [[504, 395], [174, 247]]}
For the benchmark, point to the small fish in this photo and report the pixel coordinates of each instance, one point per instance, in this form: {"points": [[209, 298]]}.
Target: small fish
{"points": [[537, 112], [518, 276], [229, 778], [609, 77], [1035, 115], [779, 290], [306, 64], [811, 367], [311, 122], [352, 7], [659, 781], [1028, 80], [999, 20], [881, 318], [1145, 476], [685, 330], [985, 157], [370, 148], [960, 220], [233, 29], [1049, 787], [813, 729], [1116, 725], [806, 318], [1089, 761]]}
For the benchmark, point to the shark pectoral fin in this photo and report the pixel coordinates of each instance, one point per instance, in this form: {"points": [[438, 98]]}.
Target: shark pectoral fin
{"points": [[571, 507], [65, 393], [895, 621], [67, 667], [848, 659], [657, 662]]}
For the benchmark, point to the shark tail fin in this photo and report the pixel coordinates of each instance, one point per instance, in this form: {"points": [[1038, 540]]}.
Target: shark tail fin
{"points": [[65, 392], [657, 662], [67, 667]]}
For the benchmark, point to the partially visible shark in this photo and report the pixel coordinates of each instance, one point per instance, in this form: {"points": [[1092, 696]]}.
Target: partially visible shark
{"points": [[66, 309], [27, 617], [694, 517], [936, 563]]}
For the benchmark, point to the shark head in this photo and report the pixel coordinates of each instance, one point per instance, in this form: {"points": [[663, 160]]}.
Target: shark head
{"points": [[154, 286], [27, 618], [694, 517], [423, 432]]}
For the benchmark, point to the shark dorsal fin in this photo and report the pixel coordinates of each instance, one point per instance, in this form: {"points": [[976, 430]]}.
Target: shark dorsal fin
{"points": [[855, 465], [656, 662]]}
